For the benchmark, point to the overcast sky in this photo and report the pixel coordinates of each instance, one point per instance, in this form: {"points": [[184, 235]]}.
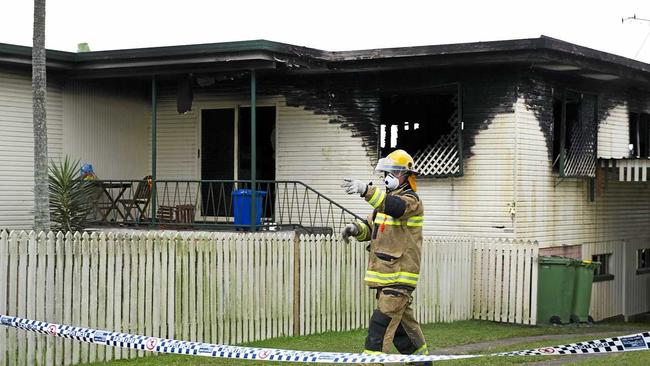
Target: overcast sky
{"points": [[329, 24]]}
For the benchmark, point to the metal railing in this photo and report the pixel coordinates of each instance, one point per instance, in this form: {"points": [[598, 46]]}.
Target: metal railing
{"points": [[218, 204]]}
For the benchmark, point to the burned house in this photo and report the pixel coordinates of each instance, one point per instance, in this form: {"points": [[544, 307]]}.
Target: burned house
{"points": [[535, 139]]}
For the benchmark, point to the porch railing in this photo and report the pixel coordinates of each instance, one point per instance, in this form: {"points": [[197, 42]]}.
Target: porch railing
{"points": [[218, 204]]}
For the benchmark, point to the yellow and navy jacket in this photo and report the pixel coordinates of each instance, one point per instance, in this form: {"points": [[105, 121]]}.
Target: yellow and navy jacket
{"points": [[395, 233]]}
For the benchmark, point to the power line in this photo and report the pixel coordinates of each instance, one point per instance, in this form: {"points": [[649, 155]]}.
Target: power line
{"points": [[645, 39]]}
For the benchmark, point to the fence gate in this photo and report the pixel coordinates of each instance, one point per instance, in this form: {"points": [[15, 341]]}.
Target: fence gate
{"points": [[505, 281]]}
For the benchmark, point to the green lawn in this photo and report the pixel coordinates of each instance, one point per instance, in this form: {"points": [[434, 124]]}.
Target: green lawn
{"points": [[438, 336]]}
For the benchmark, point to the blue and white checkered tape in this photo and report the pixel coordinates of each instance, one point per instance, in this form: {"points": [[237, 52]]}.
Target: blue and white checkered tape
{"points": [[633, 342]]}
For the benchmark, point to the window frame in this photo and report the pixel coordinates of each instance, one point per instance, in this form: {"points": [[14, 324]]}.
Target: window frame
{"points": [[563, 130], [603, 273], [646, 253], [432, 89]]}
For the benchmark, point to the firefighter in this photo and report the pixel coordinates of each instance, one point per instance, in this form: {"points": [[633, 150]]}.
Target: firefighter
{"points": [[394, 230]]}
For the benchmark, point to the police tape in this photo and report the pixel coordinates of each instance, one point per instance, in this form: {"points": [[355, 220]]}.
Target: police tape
{"points": [[633, 342]]}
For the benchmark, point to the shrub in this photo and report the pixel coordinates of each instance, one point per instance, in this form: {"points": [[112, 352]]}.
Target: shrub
{"points": [[72, 199]]}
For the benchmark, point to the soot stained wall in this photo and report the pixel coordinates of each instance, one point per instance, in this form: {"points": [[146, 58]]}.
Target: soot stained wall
{"points": [[537, 88], [353, 99]]}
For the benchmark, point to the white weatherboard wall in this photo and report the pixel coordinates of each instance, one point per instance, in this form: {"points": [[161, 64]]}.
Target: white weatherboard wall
{"points": [[636, 285], [320, 153], [308, 147], [475, 204], [178, 135], [613, 133], [177, 138], [105, 124], [96, 122], [608, 297], [311, 149], [556, 211], [17, 144], [628, 292]]}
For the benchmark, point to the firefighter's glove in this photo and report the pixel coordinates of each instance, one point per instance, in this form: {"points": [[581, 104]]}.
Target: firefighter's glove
{"points": [[350, 230], [353, 186]]}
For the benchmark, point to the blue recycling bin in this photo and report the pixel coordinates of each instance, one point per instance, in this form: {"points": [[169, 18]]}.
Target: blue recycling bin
{"points": [[241, 201]]}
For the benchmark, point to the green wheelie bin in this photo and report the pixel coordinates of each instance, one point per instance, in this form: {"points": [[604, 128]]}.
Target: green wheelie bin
{"points": [[555, 289], [582, 291]]}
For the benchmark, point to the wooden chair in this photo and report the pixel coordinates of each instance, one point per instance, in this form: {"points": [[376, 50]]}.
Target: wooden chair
{"points": [[139, 202], [165, 214], [185, 214]]}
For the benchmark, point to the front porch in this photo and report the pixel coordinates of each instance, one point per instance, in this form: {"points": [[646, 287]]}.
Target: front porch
{"points": [[216, 205]]}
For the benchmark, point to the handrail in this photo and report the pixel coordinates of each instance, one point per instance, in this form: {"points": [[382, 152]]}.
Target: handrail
{"points": [[211, 204], [261, 181]]}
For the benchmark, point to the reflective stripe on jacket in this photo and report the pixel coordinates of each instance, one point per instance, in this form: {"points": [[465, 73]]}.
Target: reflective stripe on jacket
{"points": [[395, 233]]}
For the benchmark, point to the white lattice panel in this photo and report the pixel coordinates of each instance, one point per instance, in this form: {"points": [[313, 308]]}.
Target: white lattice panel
{"points": [[443, 158]]}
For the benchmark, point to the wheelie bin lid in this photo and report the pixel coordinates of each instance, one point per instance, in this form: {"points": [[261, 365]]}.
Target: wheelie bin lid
{"points": [[247, 192], [563, 261]]}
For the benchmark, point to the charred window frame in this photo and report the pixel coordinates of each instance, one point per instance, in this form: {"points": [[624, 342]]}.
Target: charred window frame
{"points": [[427, 123], [575, 129], [639, 135]]}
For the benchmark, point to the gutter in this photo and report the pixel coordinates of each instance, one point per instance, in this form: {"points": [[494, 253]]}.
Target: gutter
{"points": [[303, 59]]}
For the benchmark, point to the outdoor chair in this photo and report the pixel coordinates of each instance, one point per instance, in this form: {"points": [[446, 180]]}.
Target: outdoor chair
{"points": [[185, 214], [103, 206], [139, 202], [179, 214], [165, 214]]}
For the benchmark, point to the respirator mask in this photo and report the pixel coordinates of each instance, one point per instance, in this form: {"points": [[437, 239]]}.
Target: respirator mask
{"points": [[391, 181]]}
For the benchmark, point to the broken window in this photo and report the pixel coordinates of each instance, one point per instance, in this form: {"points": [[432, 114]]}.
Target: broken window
{"points": [[639, 135], [575, 123], [428, 126]]}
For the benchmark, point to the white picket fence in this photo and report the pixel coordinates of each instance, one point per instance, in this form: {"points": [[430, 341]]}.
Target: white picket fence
{"points": [[235, 287], [505, 281]]}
